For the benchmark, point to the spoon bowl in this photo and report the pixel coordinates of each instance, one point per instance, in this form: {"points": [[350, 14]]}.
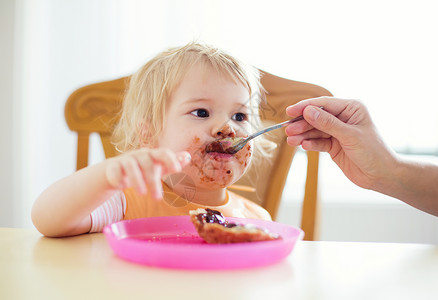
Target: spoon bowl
{"points": [[233, 145]]}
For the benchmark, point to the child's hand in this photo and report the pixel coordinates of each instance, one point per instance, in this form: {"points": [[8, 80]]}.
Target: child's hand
{"points": [[143, 169]]}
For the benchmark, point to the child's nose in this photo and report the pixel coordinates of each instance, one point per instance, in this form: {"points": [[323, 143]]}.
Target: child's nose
{"points": [[225, 131]]}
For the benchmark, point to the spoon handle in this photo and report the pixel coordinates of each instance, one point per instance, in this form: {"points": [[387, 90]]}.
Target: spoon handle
{"points": [[276, 126]]}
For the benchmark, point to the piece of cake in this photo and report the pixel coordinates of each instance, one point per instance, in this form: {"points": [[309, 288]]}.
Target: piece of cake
{"points": [[215, 229]]}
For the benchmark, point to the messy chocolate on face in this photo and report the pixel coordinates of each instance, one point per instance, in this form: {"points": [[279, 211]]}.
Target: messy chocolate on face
{"points": [[224, 145], [218, 169], [216, 146], [204, 100]]}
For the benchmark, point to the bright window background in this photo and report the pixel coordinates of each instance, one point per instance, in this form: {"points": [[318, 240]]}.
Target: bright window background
{"points": [[382, 52]]}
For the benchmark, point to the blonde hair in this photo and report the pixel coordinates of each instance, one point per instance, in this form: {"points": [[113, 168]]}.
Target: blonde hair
{"points": [[144, 106]]}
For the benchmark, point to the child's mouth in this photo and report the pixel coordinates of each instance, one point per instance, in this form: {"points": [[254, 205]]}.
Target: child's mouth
{"points": [[219, 155], [223, 146]]}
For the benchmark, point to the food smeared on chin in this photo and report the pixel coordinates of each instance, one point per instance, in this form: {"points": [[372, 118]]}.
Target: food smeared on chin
{"points": [[224, 145], [215, 229]]}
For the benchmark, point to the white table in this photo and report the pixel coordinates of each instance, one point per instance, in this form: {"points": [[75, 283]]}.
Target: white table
{"points": [[84, 267]]}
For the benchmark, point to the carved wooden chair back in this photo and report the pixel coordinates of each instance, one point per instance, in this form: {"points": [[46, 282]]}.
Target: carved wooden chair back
{"points": [[95, 109]]}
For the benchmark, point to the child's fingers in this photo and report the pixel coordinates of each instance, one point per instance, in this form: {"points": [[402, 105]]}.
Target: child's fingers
{"points": [[158, 163], [157, 187], [152, 173], [114, 174], [125, 172], [167, 159], [184, 158], [143, 169], [134, 173], [171, 161]]}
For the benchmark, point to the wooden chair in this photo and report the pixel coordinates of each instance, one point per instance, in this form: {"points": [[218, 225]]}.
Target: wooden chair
{"points": [[94, 109]]}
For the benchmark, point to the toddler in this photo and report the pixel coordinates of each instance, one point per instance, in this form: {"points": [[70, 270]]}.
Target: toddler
{"points": [[181, 100]]}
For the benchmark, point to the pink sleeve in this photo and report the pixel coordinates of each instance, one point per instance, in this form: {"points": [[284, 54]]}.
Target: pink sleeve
{"points": [[108, 212]]}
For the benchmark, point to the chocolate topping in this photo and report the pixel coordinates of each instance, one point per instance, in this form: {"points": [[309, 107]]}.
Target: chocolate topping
{"points": [[215, 229], [214, 216]]}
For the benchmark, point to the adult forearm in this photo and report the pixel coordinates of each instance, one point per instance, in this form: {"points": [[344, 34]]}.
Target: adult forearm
{"points": [[415, 183]]}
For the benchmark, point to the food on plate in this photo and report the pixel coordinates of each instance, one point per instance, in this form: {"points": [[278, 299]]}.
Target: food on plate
{"points": [[215, 229]]}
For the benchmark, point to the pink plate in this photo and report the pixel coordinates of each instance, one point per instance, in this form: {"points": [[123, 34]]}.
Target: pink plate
{"points": [[173, 242]]}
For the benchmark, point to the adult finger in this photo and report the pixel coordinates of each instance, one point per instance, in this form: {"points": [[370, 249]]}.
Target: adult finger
{"points": [[296, 140], [324, 121], [298, 128], [320, 145], [330, 104]]}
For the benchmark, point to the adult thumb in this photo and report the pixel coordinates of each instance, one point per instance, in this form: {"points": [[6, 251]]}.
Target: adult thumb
{"points": [[323, 120]]}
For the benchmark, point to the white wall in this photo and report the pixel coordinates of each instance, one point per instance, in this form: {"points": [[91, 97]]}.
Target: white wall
{"points": [[7, 27]]}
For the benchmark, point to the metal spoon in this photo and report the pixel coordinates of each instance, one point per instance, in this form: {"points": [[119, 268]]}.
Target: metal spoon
{"points": [[233, 145]]}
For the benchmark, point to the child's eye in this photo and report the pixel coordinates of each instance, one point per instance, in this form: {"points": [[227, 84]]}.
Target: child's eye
{"points": [[239, 117], [201, 113]]}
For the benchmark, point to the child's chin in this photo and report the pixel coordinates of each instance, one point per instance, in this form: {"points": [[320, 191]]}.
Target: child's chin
{"points": [[215, 186], [215, 182]]}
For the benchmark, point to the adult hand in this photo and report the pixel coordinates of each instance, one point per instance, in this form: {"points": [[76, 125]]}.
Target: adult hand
{"points": [[344, 129]]}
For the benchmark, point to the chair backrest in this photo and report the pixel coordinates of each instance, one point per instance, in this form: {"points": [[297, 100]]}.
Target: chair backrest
{"points": [[95, 109]]}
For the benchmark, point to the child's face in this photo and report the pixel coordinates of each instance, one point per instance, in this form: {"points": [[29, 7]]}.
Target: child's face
{"points": [[206, 106]]}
